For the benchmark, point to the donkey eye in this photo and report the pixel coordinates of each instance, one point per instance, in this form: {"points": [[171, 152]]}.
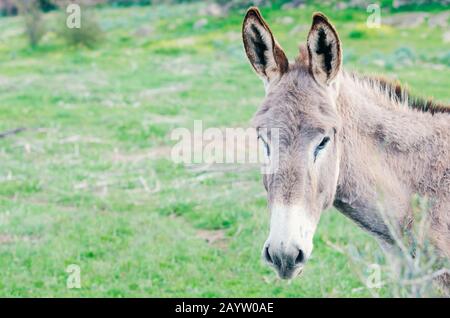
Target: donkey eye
{"points": [[267, 150], [322, 145], [266, 146]]}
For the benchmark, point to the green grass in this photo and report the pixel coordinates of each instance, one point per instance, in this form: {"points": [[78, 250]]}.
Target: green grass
{"points": [[99, 122]]}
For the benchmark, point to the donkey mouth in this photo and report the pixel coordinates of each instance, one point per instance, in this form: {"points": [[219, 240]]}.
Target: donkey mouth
{"points": [[285, 268], [289, 273]]}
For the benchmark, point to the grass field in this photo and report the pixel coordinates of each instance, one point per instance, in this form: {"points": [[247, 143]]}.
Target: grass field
{"points": [[90, 181]]}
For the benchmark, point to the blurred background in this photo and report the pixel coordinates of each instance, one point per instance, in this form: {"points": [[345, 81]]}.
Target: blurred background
{"points": [[86, 114]]}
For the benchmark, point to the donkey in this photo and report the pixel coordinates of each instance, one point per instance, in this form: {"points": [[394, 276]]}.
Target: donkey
{"points": [[362, 144]]}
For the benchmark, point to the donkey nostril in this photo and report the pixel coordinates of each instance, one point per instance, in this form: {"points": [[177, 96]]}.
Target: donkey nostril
{"points": [[300, 257], [267, 255]]}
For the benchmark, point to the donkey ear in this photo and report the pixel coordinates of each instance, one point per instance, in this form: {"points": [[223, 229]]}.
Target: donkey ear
{"points": [[324, 49], [265, 54]]}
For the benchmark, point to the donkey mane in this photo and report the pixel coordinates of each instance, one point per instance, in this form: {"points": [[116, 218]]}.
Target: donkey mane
{"points": [[393, 90], [400, 94]]}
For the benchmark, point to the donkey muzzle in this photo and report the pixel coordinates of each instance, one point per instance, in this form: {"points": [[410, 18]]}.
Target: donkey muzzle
{"points": [[288, 263], [290, 241]]}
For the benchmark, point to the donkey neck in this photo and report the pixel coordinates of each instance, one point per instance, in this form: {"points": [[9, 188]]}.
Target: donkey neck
{"points": [[388, 152]]}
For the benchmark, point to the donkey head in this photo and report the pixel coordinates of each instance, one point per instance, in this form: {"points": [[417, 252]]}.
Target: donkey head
{"points": [[300, 104]]}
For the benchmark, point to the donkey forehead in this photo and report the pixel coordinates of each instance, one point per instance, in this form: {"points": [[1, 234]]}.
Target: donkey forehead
{"points": [[296, 103]]}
